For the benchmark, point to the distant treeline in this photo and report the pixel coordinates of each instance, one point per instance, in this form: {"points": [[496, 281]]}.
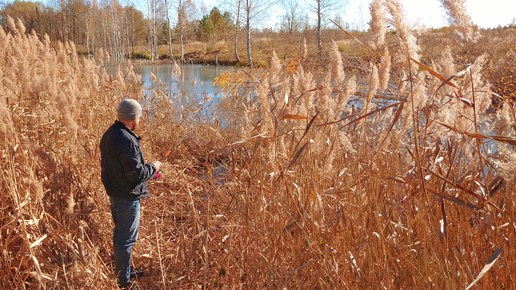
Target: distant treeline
{"points": [[124, 31], [114, 28]]}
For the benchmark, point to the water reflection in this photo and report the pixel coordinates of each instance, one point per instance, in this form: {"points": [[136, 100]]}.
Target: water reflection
{"points": [[196, 81]]}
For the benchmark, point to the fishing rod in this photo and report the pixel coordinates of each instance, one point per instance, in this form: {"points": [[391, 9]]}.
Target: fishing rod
{"points": [[159, 173], [175, 145]]}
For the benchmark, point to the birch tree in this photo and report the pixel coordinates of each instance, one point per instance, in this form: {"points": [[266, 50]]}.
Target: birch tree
{"points": [[324, 8], [237, 28], [181, 16], [235, 7], [135, 27], [152, 17], [185, 9], [255, 10], [168, 32], [114, 12]]}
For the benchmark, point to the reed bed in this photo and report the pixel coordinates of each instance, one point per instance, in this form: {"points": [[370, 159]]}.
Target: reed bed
{"points": [[304, 178]]}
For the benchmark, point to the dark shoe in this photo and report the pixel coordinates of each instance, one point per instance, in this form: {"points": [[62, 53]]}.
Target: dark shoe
{"points": [[136, 273], [128, 286]]}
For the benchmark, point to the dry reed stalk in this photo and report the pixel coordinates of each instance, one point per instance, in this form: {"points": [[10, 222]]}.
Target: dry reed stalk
{"points": [[384, 70], [158, 238]]}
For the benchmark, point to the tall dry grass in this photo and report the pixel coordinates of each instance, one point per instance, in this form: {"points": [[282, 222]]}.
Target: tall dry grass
{"points": [[401, 186], [320, 178], [56, 226], [53, 104]]}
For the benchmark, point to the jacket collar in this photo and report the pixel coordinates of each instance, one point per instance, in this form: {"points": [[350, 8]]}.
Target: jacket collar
{"points": [[124, 127]]}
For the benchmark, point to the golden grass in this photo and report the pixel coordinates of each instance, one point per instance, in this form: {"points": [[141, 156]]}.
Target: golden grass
{"points": [[327, 185]]}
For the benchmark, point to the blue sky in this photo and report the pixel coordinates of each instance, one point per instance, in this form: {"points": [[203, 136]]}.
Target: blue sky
{"points": [[428, 13]]}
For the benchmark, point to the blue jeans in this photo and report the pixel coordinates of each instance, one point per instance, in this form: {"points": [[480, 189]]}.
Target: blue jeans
{"points": [[126, 216]]}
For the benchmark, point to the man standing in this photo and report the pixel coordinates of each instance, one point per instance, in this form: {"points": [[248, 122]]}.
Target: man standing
{"points": [[125, 175]]}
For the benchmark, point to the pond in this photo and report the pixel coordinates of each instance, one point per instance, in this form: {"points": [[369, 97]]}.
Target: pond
{"points": [[196, 80]]}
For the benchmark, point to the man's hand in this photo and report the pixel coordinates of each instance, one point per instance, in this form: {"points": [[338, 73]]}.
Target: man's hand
{"points": [[157, 164]]}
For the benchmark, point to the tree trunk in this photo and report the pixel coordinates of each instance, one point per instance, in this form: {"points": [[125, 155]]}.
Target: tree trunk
{"points": [[104, 28], [248, 23], [87, 36], [152, 29], [237, 26], [129, 51], [319, 45], [94, 29], [132, 38], [115, 32], [169, 34], [39, 23], [181, 15], [155, 32]]}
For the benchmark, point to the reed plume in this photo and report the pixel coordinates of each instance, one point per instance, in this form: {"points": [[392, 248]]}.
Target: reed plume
{"points": [[456, 10], [378, 23], [407, 38]]}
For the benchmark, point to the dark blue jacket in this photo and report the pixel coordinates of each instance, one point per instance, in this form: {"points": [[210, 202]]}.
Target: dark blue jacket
{"points": [[124, 172]]}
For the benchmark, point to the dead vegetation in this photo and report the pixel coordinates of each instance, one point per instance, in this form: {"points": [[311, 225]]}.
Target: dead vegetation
{"points": [[317, 179]]}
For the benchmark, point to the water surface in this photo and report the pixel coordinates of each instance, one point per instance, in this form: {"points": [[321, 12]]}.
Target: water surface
{"points": [[195, 81]]}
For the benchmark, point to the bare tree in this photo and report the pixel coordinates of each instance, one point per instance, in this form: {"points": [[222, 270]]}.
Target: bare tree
{"points": [[255, 10], [185, 10], [93, 26], [235, 7], [169, 33], [181, 19], [237, 28], [292, 18], [324, 8], [152, 18], [135, 27], [114, 11], [248, 10], [88, 32]]}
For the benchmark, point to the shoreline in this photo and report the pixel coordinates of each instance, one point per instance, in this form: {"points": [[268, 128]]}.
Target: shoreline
{"points": [[196, 59], [140, 62]]}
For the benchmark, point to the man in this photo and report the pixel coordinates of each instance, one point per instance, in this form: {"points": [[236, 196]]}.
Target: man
{"points": [[125, 175]]}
